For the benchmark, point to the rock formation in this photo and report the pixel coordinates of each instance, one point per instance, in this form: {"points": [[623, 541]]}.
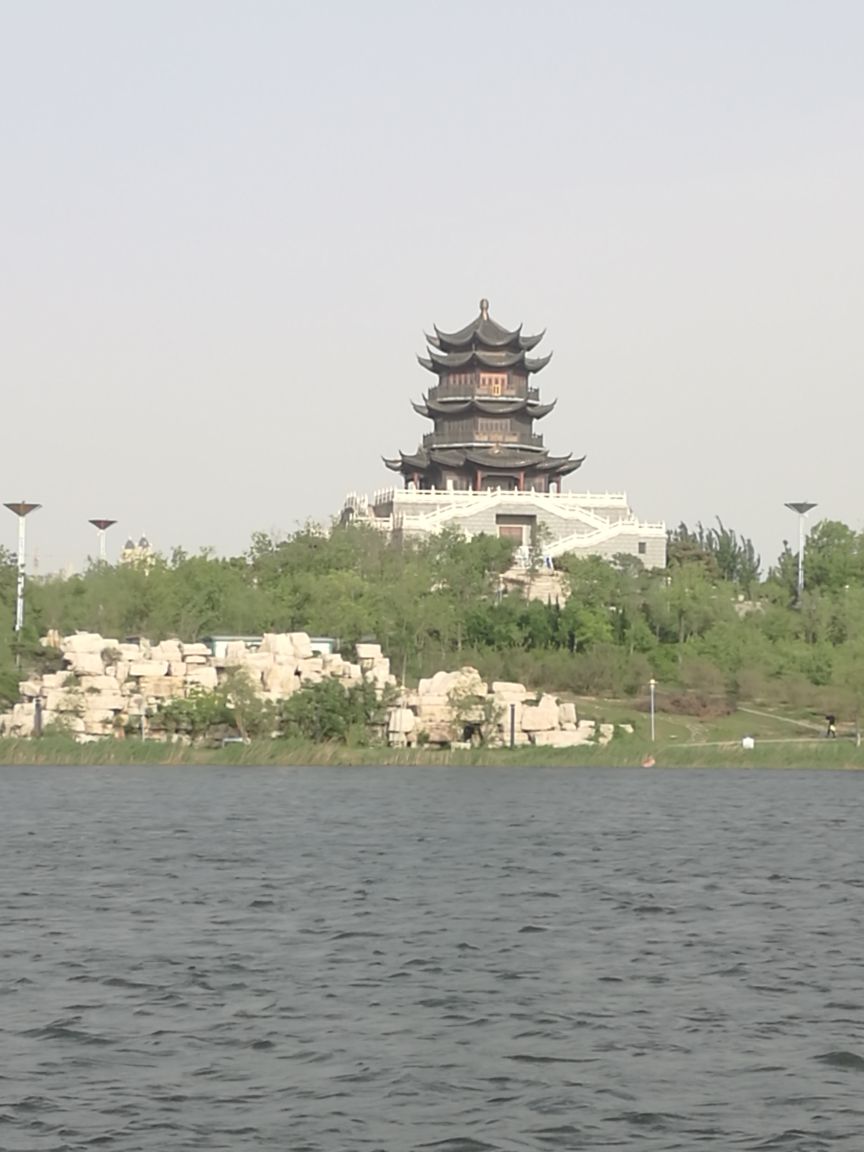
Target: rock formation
{"points": [[107, 687]]}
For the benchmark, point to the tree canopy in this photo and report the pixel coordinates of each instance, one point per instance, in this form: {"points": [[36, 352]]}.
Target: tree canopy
{"points": [[710, 622]]}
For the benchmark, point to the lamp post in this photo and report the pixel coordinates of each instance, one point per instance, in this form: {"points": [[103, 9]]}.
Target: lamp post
{"points": [[652, 684], [802, 507], [102, 527], [22, 509]]}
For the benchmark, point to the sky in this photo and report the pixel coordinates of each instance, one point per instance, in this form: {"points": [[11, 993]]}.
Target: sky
{"points": [[224, 228]]}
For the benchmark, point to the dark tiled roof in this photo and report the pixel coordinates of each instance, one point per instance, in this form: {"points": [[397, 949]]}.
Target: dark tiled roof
{"points": [[503, 407], [483, 332], [492, 459], [439, 362]]}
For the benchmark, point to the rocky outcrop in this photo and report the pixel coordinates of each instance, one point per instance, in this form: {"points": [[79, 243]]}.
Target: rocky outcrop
{"points": [[460, 708], [107, 687]]}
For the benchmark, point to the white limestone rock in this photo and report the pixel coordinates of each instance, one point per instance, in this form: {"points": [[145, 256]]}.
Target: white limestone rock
{"points": [[260, 661], [205, 677], [195, 650], [84, 643], [86, 663], [401, 721], [280, 680], [436, 733], [235, 653], [433, 685], [103, 683], [278, 644], [21, 711], [151, 669], [255, 676], [567, 715], [504, 722], [111, 701], [59, 700], [465, 681], [161, 687], [62, 721], [540, 717], [520, 739], [167, 650], [92, 716], [564, 738], [508, 691], [367, 653], [435, 715], [301, 644]]}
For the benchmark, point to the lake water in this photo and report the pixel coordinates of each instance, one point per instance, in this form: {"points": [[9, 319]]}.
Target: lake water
{"points": [[453, 959]]}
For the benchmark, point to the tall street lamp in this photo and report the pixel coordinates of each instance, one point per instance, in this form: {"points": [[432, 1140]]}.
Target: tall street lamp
{"points": [[802, 507], [22, 509], [102, 527], [652, 684]]}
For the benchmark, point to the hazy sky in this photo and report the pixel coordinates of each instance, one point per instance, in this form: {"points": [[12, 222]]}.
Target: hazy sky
{"points": [[225, 227]]}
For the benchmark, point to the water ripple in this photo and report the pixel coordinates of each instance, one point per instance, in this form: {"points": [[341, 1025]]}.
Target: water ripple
{"points": [[462, 960]]}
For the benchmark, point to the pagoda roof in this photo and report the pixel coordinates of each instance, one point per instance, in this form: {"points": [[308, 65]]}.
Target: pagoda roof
{"points": [[503, 407], [483, 332], [439, 362], [490, 459]]}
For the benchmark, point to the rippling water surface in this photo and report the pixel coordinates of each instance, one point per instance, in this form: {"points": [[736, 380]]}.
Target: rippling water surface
{"points": [[455, 959]]}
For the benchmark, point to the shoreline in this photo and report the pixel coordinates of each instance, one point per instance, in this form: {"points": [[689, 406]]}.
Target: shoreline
{"points": [[809, 754]]}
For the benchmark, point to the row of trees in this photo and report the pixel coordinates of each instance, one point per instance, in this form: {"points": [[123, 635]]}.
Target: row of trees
{"points": [[709, 623]]}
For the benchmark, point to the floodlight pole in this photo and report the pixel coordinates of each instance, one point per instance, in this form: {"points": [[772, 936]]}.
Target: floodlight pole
{"points": [[802, 507], [22, 509], [102, 527]]}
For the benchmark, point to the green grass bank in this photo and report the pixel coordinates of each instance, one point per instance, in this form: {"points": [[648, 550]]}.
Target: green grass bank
{"points": [[627, 752], [681, 741]]}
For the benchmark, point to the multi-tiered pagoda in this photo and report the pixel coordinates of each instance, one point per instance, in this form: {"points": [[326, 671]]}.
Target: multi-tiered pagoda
{"points": [[483, 410]]}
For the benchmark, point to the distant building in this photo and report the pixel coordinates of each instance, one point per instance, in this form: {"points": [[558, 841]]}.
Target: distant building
{"points": [[484, 469], [140, 553]]}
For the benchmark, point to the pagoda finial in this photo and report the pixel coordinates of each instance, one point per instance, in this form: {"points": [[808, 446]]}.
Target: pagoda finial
{"points": [[484, 309]]}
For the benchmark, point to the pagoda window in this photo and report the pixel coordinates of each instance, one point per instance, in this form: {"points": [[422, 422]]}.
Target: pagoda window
{"points": [[458, 383], [492, 383], [488, 428]]}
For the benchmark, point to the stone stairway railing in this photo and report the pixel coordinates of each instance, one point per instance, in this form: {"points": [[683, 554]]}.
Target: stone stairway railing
{"points": [[583, 540]]}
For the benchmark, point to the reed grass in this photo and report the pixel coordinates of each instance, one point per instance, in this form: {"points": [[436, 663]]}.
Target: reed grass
{"points": [[623, 752]]}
